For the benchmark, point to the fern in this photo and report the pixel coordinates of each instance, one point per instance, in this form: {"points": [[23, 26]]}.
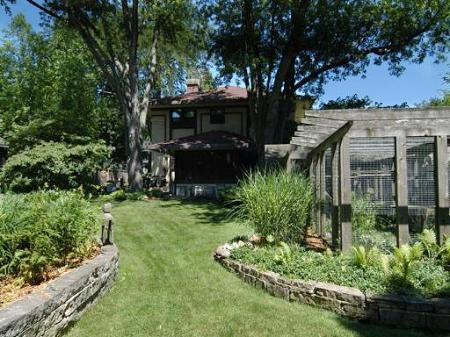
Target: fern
{"points": [[405, 259], [444, 251], [283, 255], [428, 241], [364, 258]]}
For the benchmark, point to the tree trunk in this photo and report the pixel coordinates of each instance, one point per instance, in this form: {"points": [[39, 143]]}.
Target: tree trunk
{"points": [[135, 150], [134, 130]]}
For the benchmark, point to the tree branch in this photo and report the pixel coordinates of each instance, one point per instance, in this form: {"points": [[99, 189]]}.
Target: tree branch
{"points": [[46, 10], [381, 50]]}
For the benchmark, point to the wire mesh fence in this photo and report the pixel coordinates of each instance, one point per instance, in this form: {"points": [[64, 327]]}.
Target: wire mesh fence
{"points": [[372, 170], [373, 188], [421, 183]]}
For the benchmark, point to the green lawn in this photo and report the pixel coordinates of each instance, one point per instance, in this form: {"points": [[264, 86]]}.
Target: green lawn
{"points": [[169, 284]]}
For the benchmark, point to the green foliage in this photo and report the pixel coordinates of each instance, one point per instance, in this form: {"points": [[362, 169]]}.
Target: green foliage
{"points": [[54, 165], [283, 254], [429, 244], [444, 252], [405, 259], [49, 91], [364, 217], [155, 193], [406, 272], [42, 230], [365, 258], [444, 99], [228, 196], [349, 102], [275, 202]]}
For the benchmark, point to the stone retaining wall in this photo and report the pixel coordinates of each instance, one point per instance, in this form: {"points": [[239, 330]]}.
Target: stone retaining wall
{"points": [[48, 311], [431, 314]]}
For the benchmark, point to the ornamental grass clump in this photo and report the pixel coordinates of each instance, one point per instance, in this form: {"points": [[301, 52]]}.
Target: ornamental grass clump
{"points": [[44, 230], [275, 202]]}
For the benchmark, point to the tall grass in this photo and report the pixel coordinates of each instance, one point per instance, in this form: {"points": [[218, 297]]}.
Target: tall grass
{"points": [[42, 230], [276, 203]]}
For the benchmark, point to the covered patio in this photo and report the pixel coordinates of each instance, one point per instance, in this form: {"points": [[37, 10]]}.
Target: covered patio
{"points": [[203, 164]]}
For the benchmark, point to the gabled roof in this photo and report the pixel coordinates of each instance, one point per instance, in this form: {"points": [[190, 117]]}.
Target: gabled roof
{"points": [[207, 141], [221, 94]]}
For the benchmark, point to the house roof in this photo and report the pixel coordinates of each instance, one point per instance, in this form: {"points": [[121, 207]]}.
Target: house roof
{"points": [[221, 94], [207, 141]]}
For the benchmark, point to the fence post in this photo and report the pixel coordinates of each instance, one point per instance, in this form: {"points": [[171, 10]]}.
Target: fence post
{"points": [[322, 194], [335, 195], [346, 195], [317, 183], [441, 180], [401, 188]]}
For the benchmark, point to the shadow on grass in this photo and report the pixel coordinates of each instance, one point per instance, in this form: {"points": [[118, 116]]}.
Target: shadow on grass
{"points": [[207, 212], [367, 329]]}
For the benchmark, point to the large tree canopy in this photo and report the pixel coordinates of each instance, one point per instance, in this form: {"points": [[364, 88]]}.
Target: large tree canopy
{"points": [[49, 91], [282, 48], [132, 42]]}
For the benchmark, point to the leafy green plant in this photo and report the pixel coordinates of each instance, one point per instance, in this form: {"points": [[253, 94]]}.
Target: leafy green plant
{"points": [[44, 229], [429, 244], [283, 254], [53, 165], [364, 258], [119, 195], [408, 272], [155, 193], [444, 252], [363, 213], [405, 259], [275, 202]]}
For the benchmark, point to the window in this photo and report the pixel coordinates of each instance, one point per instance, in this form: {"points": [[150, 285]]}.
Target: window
{"points": [[216, 116], [182, 119]]}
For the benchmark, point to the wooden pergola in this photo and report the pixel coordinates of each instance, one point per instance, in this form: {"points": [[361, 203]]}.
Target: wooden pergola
{"points": [[333, 129]]}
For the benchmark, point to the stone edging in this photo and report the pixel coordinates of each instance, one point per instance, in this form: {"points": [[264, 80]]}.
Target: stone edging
{"points": [[401, 311], [48, 311]]}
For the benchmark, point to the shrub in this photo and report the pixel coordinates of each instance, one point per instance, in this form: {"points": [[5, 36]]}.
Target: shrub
{"points": [[155, 193], [53, 165], [276, 203], [42, 230]]}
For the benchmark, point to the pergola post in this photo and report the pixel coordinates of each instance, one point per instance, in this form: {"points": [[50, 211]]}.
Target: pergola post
{"points": [[345, 194], [322, 195], [401, 187], [441, 172], [335, 195]]}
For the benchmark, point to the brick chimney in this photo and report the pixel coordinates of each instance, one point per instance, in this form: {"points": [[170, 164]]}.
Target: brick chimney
{"points": [[193, 85]]}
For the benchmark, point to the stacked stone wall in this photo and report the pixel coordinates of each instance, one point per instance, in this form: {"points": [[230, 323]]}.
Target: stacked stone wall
{"points": [[48, 311], [432, 314]]}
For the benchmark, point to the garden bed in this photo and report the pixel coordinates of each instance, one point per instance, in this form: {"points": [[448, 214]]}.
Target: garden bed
{"points": [[12, 289], [49, 309], [393, 309]]}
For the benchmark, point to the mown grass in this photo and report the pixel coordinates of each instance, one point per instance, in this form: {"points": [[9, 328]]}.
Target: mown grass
{"points": [[169, 284]]}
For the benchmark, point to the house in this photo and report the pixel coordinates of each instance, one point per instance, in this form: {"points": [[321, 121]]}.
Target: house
{"points": [[200, 140]]}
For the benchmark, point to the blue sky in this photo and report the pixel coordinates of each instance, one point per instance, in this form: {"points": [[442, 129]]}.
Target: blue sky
{"points": [[418, 83]]}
